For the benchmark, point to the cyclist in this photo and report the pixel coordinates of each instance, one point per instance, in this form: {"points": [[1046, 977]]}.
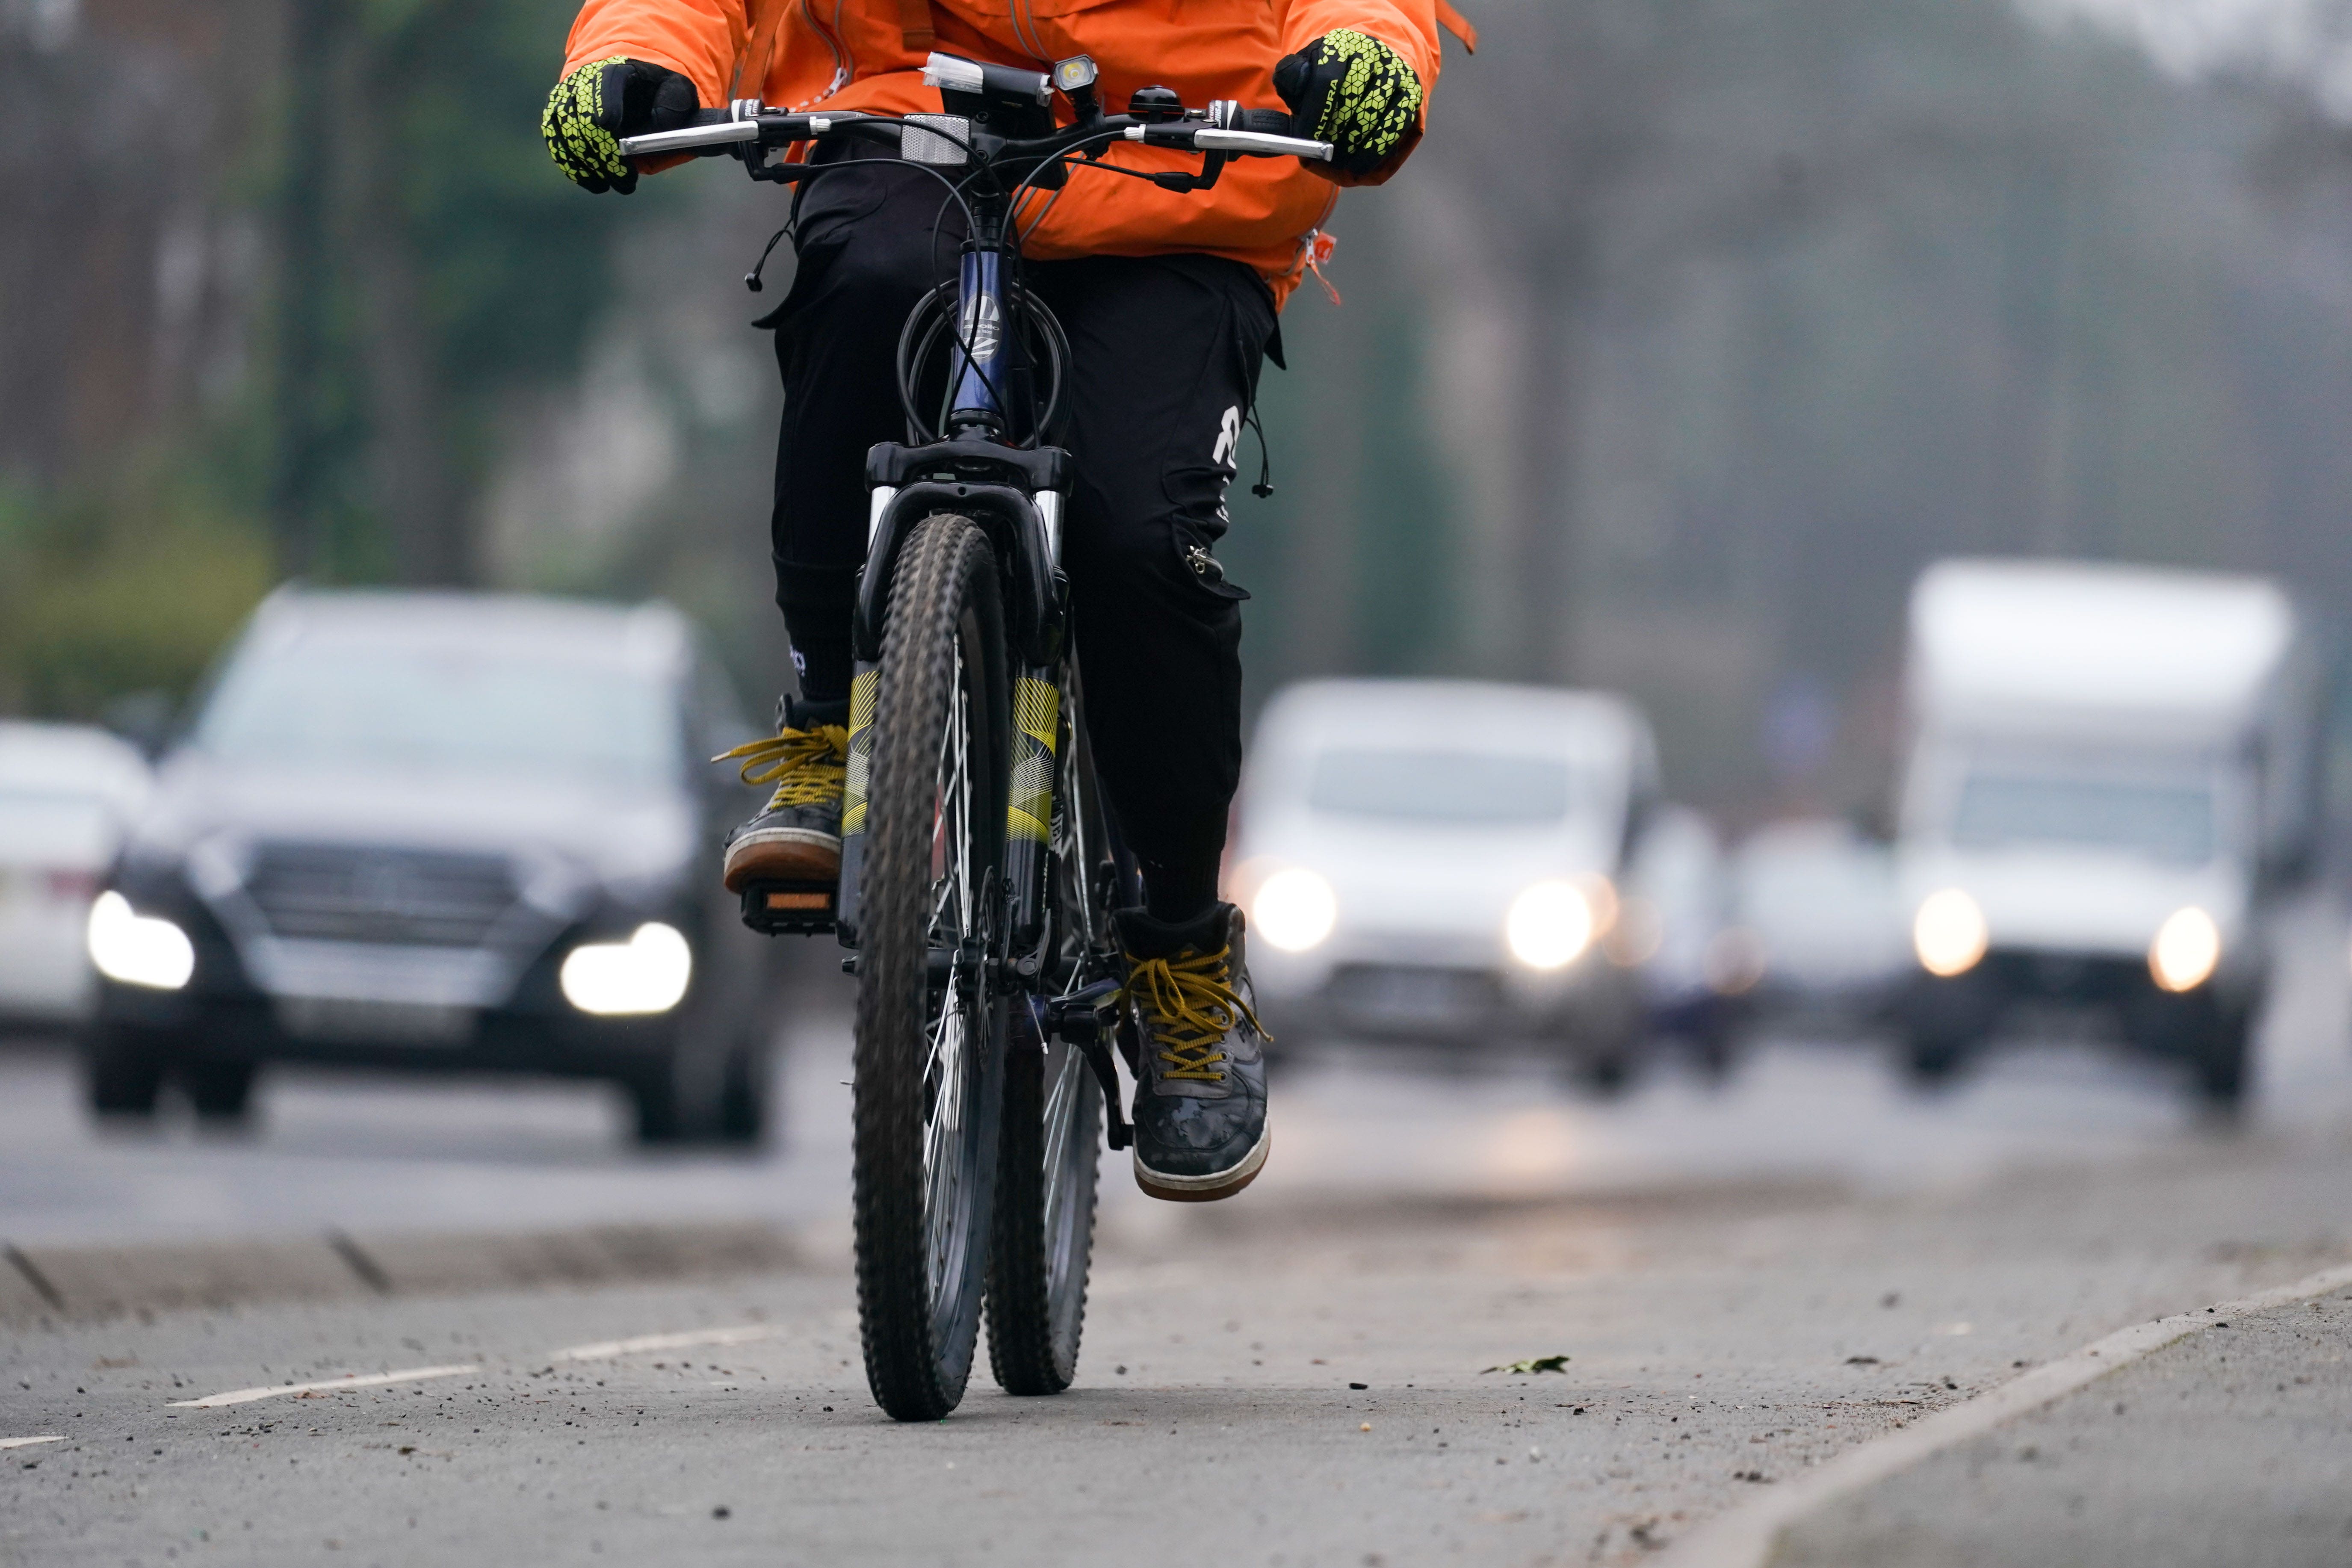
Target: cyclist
{"points": [[1170, 303]]}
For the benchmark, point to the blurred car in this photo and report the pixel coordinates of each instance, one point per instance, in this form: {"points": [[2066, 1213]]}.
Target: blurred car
{"points": [[2114, 770], [1816, 901], [66, 792], [445, 833], [1464, 891]]}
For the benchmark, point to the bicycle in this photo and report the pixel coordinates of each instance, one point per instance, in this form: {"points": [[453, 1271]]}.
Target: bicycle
{"points": [[979, 867]]}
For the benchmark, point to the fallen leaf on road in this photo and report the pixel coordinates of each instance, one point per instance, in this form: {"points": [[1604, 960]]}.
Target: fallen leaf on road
{"points": [[1532, 1364]]}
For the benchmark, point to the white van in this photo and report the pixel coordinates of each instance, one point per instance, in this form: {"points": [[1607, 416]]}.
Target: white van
{"points": [[2110, 767], [1469, 888]]}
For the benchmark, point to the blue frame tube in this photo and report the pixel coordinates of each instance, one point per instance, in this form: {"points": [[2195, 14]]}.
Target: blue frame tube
{"points": [[983, 323]]}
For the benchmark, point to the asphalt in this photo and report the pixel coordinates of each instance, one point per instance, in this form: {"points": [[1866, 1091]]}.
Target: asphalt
{"points": [[2228, 1447], [1721, 1340], [634, 1359]]}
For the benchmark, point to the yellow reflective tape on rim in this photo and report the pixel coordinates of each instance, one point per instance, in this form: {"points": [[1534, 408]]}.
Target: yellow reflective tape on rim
{"points": [[1037, 719], [861, 751]]}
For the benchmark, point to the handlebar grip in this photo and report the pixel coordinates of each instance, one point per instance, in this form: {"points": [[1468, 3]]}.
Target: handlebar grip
{"points": [[1257, 144], [722, 132]]}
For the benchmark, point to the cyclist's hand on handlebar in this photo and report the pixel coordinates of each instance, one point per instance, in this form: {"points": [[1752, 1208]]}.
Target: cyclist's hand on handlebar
{"points": [[1354, 91], [591, 110]]}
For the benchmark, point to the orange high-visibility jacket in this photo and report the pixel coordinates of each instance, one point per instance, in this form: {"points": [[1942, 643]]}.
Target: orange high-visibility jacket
{"points": [[869, 54]]}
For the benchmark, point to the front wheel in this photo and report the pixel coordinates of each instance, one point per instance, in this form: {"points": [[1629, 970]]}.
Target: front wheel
{"points": [[930, 1058], [221, 1092], [123, 1072], [2220, 1048]]}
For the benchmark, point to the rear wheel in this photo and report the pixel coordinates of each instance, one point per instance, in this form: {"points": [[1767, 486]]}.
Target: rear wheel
{"points": [[1045, 1184], [929, 1057]]}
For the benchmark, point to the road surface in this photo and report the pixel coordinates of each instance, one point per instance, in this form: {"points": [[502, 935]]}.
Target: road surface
{"points": [[1746, 1283]]}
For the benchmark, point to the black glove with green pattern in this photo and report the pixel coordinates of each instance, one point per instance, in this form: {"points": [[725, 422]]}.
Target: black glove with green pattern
{"points": [[1354, 91], [591, 110]]}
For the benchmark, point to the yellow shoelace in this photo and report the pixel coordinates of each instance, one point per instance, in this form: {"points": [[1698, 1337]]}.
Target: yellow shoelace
{"points": [[1189, 1003], [808, 767]]}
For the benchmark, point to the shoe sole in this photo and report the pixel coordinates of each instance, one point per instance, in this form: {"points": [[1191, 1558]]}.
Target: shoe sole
{"points": [[1205, 1189], [783, 855]]}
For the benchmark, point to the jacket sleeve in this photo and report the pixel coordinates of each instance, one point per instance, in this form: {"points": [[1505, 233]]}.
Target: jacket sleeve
{"points": [[1408, 26], [702, 40]]}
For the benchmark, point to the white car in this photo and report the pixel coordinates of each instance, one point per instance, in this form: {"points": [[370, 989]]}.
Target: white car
{"points": [[67, 793], [1462, 889]]}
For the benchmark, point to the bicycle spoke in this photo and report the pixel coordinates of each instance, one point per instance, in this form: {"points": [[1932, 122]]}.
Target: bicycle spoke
{"points": [[952, 923]]}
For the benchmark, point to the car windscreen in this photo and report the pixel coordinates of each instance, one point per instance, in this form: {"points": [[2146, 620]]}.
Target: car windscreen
{"points": [[382, 705], [2167, 821], [1442, 787]]}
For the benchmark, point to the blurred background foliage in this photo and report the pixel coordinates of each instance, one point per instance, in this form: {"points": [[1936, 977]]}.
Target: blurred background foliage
{"points": [[1694, 330]]}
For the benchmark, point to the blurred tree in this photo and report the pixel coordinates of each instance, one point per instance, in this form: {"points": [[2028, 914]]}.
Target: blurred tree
{"points": [[277, 339]]}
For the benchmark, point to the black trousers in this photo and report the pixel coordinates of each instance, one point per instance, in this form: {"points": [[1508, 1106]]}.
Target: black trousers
{"points": [[1165, 355]]}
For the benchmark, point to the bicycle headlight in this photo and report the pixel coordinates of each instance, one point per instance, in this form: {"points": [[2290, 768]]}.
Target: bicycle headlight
{"points": [[646, 974], [136, 949], [2187, 950], [1294, 909], [1551, 923]]}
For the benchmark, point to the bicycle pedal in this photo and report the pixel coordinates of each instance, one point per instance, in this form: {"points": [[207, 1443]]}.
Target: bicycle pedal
{"points": [[789, 909], [1085, 1018]]}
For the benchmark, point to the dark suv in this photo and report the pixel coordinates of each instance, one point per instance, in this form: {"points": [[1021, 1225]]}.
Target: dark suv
{"points": [[448, 833]]}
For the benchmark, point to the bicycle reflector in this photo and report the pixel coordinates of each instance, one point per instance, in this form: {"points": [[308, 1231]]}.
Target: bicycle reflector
{"points": [[935, 139]]}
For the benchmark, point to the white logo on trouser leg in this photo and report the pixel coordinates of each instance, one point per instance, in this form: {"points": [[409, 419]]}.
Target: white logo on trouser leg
{"points": [[1227, 451]]}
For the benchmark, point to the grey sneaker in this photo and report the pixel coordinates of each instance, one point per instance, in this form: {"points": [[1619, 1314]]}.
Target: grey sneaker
{"points": [[1200, 1108], [796, 838]]}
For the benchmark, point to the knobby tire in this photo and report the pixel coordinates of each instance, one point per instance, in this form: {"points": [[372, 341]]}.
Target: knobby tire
{"points": [[944, 634]]}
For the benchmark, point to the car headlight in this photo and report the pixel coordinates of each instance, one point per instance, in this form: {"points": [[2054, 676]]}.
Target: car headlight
{"points": [[1948, 933], [646, 974], [1294, 910], [1550, 924], [2186, 948], [136, 949]]}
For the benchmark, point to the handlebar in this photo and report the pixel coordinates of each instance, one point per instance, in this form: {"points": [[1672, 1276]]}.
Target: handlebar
{"points": [[1252, 132]]}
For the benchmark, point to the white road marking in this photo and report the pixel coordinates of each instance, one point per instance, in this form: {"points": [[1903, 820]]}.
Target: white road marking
{"points": [[29, 1442], [1745, 1537], [325, 1386], [605, 1350]]}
